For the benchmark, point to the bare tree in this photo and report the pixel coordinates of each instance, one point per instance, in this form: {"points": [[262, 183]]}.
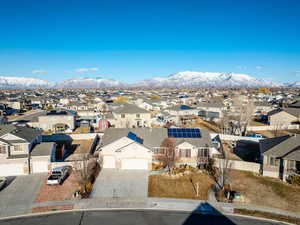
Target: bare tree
{"points": [[277, 128], [86, 169], [169, 156], [218, 170], [244, 109]]}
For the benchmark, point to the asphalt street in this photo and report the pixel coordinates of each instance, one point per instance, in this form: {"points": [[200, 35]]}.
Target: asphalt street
{"points": [[131, 217]]}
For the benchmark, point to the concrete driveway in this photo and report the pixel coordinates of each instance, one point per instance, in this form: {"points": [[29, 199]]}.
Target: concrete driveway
{"points": [[20, 193], [117, 183]]}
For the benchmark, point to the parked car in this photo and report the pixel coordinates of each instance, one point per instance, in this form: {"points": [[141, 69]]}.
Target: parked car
{"points": [[59, 175], [3, 182]]}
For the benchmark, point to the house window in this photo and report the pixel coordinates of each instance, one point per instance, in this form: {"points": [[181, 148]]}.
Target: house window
{"points": [[138, 115], [122, 115], [2, 149], [273, 161], [186, 153], [158, 150], [18, 148], [291, 164], [203, 152]]}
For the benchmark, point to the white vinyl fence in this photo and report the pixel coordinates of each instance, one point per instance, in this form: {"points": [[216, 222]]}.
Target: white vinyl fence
{"points": [[276, 127], [238, 165], [228, 137]]}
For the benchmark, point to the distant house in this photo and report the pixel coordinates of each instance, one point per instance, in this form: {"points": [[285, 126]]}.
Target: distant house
{"points": [[280, 156], [15, 145], [284, 116], [211, 111], [16, 141], [57, 121], [136, 148], [182, 110], [129, 116]]}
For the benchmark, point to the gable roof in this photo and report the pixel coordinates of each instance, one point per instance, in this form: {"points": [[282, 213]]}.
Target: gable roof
{"points": [[292, 111], [153, 137], [126, 108], [25, 133], [287, 147]]}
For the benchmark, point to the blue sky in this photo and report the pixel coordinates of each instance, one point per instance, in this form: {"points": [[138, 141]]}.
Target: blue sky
{"points": [[133, 40]]}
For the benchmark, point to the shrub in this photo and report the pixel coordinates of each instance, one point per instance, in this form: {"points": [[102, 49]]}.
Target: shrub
{"points": [[294, 180]]}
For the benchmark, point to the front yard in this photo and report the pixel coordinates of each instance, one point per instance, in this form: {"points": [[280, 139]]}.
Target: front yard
{"points": [[180, 186], [266, 192]]}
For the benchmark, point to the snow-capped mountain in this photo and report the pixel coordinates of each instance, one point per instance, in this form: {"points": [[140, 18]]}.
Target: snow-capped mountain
{"points": [[89, 83], [206, 79], [293, 84], [181, 79], [23, 83]]}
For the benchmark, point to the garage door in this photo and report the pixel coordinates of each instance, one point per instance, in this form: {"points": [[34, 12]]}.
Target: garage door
{"points": [[135, 164], [40, 166], [109, 162], [11, 169]]}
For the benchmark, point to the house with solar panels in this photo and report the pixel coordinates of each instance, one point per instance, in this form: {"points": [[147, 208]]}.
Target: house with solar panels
{"points": [[138, 148]]}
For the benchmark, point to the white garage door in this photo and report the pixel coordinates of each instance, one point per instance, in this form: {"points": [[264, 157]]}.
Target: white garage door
{"points": [[109, 162], [11, 169], [39, 166], [135, 164]]}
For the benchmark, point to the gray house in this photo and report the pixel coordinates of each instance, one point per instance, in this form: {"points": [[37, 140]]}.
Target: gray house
{"points": [[280, 156]]}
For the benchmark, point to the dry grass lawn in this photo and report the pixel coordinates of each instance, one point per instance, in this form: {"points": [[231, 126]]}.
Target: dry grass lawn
{"points": [[266, 192], [271, 134], [180, 186]]}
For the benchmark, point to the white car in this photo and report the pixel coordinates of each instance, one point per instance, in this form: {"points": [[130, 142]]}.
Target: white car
{"points": [[3, 182], [58, 175]]}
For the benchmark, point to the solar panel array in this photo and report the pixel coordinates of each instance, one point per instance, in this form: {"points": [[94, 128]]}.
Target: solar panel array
{"points": [[184, 133], [135, 138], [185, 107]]}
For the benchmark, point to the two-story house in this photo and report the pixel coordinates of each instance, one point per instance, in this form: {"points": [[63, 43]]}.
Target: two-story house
{"points": [[130, 116]]}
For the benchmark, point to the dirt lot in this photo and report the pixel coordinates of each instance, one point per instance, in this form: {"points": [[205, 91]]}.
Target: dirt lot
{"points": [[271, 134], [228, 150], [199, 123], [266, 192], [58, 192], [179, 186]]}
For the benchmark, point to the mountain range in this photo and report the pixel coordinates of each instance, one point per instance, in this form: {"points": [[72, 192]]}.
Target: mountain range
{"points": [[180, 79]]}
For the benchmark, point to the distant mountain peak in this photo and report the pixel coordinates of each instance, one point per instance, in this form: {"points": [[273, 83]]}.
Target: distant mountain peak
{"points": [[180, 79], [206, 79]]}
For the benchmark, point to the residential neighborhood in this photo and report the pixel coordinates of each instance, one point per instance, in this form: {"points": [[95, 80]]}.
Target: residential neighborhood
{"points": [[135, 112], [140, 145]]}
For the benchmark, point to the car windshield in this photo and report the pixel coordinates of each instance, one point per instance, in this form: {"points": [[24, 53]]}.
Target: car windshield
{"points": [[56, 172]]}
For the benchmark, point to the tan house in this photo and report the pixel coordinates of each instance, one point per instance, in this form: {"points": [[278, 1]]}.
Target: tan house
{"points": [[59, 122], [136, 148], [130, 116]]}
